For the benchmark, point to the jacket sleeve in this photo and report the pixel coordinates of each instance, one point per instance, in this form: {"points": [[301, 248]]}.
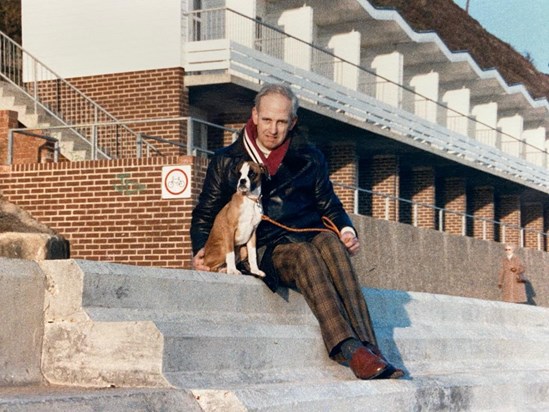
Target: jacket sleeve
{"points": [[328, 202], [519, 265], [215, 194]]}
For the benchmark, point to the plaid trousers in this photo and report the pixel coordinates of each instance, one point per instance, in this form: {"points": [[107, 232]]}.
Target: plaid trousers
{"points": [[323, 272]]}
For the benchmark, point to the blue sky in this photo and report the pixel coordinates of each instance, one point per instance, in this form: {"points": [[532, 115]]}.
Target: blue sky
{"points": [[524, 24]]}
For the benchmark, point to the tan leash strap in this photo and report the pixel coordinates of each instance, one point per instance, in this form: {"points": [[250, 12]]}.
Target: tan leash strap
{"points": [[331, 227]]}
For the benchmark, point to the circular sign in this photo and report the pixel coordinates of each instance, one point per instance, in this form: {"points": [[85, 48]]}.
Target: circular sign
{"points": [[176, 181]]}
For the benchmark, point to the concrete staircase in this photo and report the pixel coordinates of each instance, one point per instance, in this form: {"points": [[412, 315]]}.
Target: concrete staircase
{"points": [[72, 145], [205, 341]]}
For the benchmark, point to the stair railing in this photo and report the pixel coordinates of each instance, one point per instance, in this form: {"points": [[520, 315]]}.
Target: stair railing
{"points": [[65, 103]]}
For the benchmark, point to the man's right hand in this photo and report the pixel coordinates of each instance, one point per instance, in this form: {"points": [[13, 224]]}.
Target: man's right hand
{"points": [[198, 261]]}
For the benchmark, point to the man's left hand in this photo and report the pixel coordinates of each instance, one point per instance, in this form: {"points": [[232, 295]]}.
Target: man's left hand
{"points": [[351, 242]]}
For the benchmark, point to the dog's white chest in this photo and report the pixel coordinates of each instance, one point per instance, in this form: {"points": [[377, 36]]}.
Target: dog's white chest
{"points": [[249, 218]]}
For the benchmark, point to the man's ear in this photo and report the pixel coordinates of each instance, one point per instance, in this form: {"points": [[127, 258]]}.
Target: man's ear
{"points": [[292, 123], [255, 116]]}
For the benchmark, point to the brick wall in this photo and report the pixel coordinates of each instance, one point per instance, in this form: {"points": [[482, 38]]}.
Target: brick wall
{"points": [[343, 166], [109, 210], [149, 94], [509, 216], [546, 228], [483, 208], [532, 221], [385, 180], [228, 136], [26, 148], [423, 191], [454, 201]]}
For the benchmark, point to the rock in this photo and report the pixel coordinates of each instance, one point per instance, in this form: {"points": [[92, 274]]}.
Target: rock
{"points": [[23, 237]]}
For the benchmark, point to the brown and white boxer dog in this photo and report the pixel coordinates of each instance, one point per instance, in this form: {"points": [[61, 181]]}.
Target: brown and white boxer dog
{"points": [[235, 224]]}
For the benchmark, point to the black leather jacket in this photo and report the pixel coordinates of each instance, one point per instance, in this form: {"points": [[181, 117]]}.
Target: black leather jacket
{"points": [[298, 195]]}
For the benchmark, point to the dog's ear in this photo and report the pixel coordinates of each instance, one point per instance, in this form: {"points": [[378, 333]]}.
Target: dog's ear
{"points": [[239, 165], [263, 169]]}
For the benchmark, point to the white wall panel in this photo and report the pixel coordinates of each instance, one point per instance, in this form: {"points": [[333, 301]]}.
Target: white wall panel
{"points": [[90, 37]]}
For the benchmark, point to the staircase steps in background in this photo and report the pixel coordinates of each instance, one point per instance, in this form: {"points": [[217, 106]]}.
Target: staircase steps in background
{"points": [[72, 146]]}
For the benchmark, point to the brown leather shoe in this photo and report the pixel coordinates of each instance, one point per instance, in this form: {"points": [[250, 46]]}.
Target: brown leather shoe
{"points": [[390, 372], [366, 365]]}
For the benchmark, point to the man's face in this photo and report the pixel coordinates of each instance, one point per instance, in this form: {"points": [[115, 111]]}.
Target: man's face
{"points": [[273, 120]]}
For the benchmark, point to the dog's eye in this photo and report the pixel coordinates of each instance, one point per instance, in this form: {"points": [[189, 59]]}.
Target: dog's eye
{"points": [[252, 175]]}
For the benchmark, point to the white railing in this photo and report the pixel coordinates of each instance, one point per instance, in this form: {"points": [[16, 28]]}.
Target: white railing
{"points": [[274, 56], [66, 106]]}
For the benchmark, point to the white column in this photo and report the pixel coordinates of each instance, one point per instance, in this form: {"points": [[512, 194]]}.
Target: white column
{"points": [[298, 23], [426, 87], [511, 132], [486, 116], [458, 102], [347, 47], [535, 139], [390, 68], [239, 28]]}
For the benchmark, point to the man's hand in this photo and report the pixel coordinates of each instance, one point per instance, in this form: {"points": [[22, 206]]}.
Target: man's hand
{"points": [[198, 261], [351, 242]]}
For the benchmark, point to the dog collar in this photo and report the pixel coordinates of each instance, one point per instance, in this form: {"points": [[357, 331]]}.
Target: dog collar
{"points": [[256, 199]]}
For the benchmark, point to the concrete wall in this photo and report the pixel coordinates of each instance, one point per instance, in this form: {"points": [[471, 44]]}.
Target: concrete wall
{"points": [[22, 289], [399, 256]]}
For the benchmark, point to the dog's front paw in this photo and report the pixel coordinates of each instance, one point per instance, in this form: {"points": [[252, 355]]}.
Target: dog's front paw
{"points": [[234, 272], [259, 273]]}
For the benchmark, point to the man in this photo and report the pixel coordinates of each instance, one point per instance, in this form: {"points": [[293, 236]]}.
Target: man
{"points": [[297, 194]]}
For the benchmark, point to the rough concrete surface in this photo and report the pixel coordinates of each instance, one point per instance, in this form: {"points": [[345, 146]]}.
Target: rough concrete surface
{"points": [[23, 237]]}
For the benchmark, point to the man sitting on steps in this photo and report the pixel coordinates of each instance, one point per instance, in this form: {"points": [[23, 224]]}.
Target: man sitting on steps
{"points": [[297, 194]]}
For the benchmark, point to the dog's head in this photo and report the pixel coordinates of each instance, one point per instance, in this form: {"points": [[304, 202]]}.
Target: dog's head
{"points": [[249, 177]]}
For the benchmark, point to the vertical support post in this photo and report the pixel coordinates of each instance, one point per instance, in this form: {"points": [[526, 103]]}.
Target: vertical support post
{"points": [[503, 227], [190, 143], [94, 142], [35, 91], [10, 147], [441, 220], [56, 149], [139, 145]]}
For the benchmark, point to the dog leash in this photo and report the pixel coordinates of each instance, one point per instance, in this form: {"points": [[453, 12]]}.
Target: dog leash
{"points": [[330, 226]]}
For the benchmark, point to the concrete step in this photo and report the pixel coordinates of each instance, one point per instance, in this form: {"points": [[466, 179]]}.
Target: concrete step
{"points": [[236, 346], [521, 391], [63, 399]]}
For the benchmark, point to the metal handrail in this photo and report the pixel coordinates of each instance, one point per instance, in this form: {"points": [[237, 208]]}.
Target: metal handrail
{"points": [[57, 97], [441, 211], [56, 148], [193, 150], [140, 140], [221, 33]]}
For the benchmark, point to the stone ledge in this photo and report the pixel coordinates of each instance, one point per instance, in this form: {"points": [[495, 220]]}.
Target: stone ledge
{"points": [[33, 246]]}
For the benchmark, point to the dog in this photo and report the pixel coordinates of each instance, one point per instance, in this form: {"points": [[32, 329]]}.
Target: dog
{"points": [[235, 225]]}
